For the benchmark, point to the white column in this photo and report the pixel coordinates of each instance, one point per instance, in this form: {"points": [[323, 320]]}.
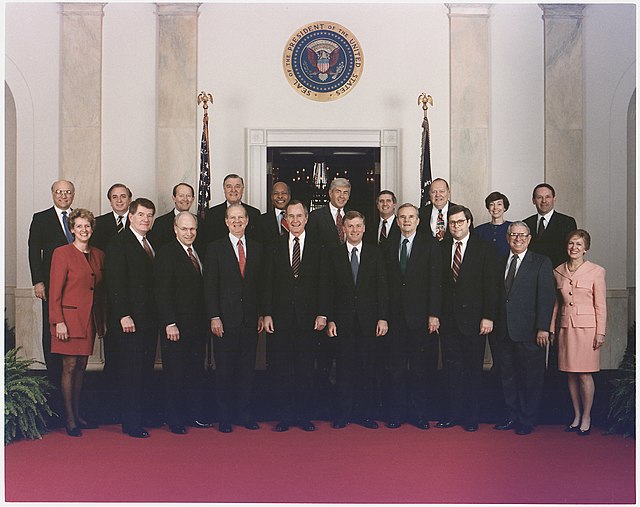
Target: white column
{"points": [[177, 102], [564, 105], [470, 69]]}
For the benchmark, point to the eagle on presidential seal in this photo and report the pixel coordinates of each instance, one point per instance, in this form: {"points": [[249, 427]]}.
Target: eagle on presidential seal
{"points": [[323, 60]]}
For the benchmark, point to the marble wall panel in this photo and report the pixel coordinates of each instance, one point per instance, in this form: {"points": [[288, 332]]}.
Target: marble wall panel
{"points": [[81, 163], [470, 169], [176, 158]]}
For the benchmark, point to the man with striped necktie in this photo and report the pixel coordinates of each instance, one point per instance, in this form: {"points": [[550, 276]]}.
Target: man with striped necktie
{"points": [[469, 307]]}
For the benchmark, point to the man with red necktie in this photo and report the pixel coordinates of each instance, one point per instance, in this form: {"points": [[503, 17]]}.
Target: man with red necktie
{"points": [[233, 276]]}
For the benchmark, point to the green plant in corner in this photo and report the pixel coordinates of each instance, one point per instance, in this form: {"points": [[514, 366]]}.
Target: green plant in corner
{"points": [[25, 399], [622, 404]]}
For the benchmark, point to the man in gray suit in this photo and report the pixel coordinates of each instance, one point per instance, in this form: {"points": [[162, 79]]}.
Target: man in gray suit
{"points": [[527, 298]]}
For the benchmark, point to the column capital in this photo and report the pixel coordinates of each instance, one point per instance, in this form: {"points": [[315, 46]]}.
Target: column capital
{"points": [[82, 9], [572, 11], [469, 10], [177, 9]]}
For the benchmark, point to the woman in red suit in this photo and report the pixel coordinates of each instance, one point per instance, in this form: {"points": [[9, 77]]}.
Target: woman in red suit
{"points": [[580, 318], [76, 311]]}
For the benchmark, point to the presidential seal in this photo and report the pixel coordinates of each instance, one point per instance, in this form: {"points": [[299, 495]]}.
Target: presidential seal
{"points": [[323, 61]]}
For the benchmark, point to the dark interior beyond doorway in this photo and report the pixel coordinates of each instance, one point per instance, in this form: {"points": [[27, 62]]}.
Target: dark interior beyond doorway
{"points": [[310, 170]]}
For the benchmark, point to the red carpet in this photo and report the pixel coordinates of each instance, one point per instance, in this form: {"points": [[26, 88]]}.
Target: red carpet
{"points": [[352, 465]]}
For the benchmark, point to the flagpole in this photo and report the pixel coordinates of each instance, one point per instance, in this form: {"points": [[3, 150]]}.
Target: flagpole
{"points": [[204, 185], [425, 152]]}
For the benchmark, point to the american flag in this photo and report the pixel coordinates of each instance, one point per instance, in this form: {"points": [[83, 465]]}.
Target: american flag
{"points": [[204, 186], [425, 164]]}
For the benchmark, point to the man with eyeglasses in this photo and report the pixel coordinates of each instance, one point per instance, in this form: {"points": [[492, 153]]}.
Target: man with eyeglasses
{"points": [[49, 229], [527, 297], [469, 307], [433, 217]]}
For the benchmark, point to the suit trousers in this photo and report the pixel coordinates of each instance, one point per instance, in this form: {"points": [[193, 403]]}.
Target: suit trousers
{"points": [[522, 366], [183, 370], [235, 356], [413, 362], [293, 357], [137, 353], [463, 359], [355, 367]]}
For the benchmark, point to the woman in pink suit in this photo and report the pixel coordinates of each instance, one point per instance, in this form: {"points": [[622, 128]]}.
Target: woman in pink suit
{"points": [[76, 311], [580, 317]]}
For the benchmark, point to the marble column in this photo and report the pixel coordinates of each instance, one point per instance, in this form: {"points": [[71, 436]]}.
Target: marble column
{"points": [[469, 59], [177, 103], [564, 105], [81, 100]]}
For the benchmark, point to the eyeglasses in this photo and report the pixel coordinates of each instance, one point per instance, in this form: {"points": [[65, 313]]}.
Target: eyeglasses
{"points": [[457, 223], [518, 234], [63, 192]]}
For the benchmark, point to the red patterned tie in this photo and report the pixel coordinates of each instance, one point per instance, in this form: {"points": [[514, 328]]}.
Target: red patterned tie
{"points": [[283, 223], [339, 226], [193, 259], [457, 260], [242, 260]]}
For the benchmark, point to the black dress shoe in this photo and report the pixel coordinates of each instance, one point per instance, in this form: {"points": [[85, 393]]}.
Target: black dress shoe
{"points": [[393, 424], [368, 423], [153, 423], [422, 424], [509, 424], [471, 428], [282, 426], [571, 429], [338, 425], [199, 424], [584, 433], [446, 424], [178, 430], [87, 425], [137, 433], [225, 428], [524, 429], [73, 432], [252, 425], [307, 426]]}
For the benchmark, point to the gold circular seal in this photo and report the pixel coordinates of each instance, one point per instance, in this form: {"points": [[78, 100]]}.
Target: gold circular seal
{"points": [[323, 61]]}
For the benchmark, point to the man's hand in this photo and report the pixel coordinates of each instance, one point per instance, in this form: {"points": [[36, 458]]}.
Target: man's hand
{"points": [[260, 324], [128, 326], [216, 327], [268, 324], [542, 338], [320, 324], [434, 324], [332, 330], [173, 333], [38, 290], [486, 326], [381, 328]]}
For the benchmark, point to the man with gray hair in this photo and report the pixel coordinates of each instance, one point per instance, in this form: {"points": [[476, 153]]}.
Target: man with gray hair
{"points": [[326, 222]]}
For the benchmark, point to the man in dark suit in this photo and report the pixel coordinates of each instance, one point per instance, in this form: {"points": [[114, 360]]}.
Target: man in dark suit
{"points": [[273, 223], [116, 220], [384, 227], [326, 222], [163, 226], [469, 307], [357, 319], [179, 290], [295, 310], [214, 226], [107, 226], [414, 275], [433, 218], [130, 283], [527, 297], [233, 275], [549, 228], [49, 229]]}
